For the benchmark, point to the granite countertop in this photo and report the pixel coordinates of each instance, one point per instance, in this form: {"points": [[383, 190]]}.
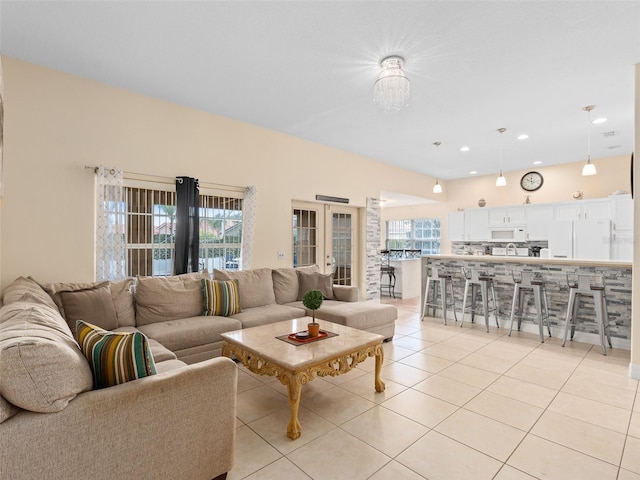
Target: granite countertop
{"points": [[535, 260]]}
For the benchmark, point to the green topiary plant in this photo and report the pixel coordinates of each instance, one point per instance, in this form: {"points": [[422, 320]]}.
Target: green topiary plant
{"points": [[313, 300]]}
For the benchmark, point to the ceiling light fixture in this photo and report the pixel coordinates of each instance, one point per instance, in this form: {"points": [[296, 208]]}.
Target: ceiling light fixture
{"points": [[391, 91], [464, 149], [523, 136], [437, 188], [598, 121], [538, 162], [501, 181], [589, 168], [473, 172]]}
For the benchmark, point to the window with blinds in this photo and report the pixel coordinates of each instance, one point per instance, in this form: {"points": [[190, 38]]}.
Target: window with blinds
{"points": [[150, 235]]}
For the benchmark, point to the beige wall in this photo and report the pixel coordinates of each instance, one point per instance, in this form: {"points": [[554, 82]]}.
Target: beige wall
{"points": [[560, 181], [55, 124]]}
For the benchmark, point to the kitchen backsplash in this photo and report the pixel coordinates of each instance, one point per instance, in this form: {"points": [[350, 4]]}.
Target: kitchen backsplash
{"points": [[470, 248]]}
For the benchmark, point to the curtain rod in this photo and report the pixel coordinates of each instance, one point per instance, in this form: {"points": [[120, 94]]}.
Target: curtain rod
{"points": [[171, 180]]}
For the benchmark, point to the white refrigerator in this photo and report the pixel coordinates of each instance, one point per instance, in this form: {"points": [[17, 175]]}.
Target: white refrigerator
{"points": [[581, 239]]}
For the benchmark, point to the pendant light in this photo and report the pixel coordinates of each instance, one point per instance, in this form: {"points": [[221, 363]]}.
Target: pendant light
{"points": [[501, 181], [589, 168], [437, 188]]}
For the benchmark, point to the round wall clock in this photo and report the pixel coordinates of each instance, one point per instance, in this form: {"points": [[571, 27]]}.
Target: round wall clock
{"points": [[531, 181]]}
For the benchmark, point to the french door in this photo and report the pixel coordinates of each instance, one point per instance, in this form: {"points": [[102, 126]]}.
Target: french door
{"points": [[326, 235]]}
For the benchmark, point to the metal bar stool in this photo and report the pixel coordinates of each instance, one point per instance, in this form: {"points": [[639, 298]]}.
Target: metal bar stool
{"points": [[439, 279], [478, 279], [386, 270], [590, 286], [530, 282]]}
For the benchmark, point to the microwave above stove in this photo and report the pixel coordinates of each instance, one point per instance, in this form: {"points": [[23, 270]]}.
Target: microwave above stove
{"points": [[507, 234]]}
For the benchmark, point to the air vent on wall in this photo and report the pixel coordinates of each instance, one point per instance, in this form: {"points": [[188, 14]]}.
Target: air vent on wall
{"points": [[611, 147], [611, 133], [328, 198]]}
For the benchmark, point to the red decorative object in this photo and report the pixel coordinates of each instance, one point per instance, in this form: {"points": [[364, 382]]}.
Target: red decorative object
{"points": [[294, 336]]}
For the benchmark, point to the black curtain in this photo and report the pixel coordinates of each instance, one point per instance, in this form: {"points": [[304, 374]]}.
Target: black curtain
{"points": [[187, 225]]}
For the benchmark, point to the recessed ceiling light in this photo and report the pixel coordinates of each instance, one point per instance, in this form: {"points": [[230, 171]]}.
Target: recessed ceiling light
{"points": [[599, 120], [523, 136], [464, 149], [472, 172], [538, 162]]}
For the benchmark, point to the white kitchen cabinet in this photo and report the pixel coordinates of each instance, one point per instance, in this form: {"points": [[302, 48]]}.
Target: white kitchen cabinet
{"points": [[538, 219], [622, 212], [507, 216], [597, 210], [601, 209], [455, 227], [476, 224]]}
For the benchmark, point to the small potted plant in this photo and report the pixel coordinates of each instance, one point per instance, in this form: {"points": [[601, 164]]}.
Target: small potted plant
{"points": [[312, 300]]}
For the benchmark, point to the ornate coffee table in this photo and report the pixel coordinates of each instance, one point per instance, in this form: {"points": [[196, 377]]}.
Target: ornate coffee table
{"points": [[261, 352]]}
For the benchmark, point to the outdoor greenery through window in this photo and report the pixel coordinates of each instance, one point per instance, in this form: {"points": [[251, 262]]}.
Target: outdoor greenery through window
{"points": [[150, 235], [422, 234]]}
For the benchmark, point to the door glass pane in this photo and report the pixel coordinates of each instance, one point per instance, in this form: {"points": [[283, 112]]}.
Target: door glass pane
{"points": [[305, 233], [341, 249]]}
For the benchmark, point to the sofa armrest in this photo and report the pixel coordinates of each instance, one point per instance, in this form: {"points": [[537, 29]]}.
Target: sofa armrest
{"points": [[346, 293], [178, 424]]}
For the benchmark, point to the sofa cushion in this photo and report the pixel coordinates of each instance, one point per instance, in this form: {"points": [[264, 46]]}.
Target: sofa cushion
{"points": [[363, 315], [121, 296], [315, 281], [255, 286], [221, 297], [115, 358], [26, 286], [159, 299], [123, 302], [93, 305], [190, 332], [285, 285], [169, 365], [253, 317], [41, 366]]}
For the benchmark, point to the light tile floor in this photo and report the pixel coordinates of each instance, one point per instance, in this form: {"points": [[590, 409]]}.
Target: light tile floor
{"points": [[459, 403]]}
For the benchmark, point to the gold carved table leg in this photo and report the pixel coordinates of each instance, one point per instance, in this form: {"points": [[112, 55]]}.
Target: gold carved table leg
{"points": [[380, 386], [294, 388]]}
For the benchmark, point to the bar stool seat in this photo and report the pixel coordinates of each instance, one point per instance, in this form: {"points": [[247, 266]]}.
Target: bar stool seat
{"points": [[439, 279], [588, 286], [485, 282], [530, 282]]}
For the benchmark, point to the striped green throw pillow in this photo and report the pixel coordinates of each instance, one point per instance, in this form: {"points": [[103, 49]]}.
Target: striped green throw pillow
{"points": [[221, 297], [114, 358]]}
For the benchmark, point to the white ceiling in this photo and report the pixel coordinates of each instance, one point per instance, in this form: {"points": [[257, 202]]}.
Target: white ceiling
{"points": [[307, 68]]}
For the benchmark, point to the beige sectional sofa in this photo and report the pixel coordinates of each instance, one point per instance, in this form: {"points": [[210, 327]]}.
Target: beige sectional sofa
{"points": [[179, 423]]}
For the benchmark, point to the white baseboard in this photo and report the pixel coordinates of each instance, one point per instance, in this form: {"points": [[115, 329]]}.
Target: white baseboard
{"points": [[634, 371]]}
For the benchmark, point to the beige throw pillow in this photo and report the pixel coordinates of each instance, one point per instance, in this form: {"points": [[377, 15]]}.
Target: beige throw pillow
{"points": [[315, 281], [94, 304]]}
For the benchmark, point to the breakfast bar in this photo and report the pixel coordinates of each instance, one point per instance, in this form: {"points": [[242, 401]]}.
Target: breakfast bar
{"points": [[554, 271]]}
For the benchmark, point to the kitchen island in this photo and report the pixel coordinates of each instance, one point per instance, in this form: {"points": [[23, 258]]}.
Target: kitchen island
{"points": [[617, 278]]}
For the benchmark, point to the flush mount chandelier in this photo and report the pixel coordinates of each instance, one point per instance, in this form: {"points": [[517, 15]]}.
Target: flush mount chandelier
{"points": [[391, 91]]}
